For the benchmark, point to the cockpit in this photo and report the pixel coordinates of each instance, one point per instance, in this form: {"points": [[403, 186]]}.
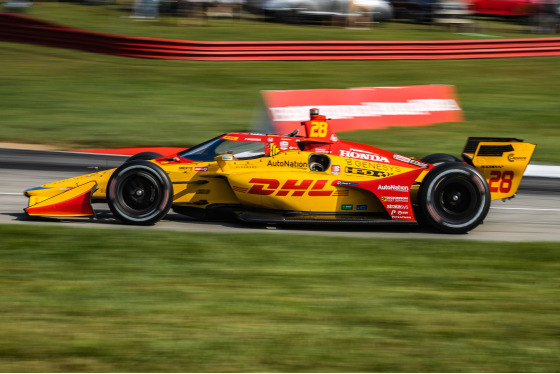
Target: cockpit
{"points": [[240, 150]]}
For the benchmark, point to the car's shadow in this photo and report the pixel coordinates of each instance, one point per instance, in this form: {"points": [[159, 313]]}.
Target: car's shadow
{"points": [[106, 218]]}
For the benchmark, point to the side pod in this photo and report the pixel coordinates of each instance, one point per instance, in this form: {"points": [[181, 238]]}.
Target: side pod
{"points": [[502, 162], [72, 203]]}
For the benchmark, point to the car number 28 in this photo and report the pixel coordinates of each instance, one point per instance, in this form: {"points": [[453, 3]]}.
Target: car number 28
{"points": [[501, 182], [319, 129]]}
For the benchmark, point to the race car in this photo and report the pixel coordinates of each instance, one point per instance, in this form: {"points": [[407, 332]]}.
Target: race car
{"points": [[310, 178]]}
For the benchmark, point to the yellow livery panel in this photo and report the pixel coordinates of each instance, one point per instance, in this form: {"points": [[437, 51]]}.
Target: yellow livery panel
{"points": [[502, 163]]}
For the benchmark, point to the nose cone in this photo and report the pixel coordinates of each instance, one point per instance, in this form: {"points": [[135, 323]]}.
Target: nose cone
{"points": [[34, 191]]}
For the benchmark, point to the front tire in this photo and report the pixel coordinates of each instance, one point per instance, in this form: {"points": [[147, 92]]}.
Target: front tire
{"points": [[139, 193], [144, 156], [454, 198]]}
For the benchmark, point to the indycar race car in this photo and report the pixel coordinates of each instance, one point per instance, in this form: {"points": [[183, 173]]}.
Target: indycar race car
{"points": [[281, 179]]}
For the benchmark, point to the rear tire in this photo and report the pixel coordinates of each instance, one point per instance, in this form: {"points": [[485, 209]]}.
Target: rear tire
{"points": [[139, 193], [440, 158], [454, 198]]}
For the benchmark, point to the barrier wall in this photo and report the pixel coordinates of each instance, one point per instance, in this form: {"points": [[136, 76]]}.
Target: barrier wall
{"points": [[23, 29]]}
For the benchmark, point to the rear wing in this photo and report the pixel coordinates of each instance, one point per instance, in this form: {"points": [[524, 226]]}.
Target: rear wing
{"points": [[502, 162]]}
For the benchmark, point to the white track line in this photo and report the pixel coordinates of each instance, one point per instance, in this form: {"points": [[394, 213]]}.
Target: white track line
{"points": [[530, 209]]}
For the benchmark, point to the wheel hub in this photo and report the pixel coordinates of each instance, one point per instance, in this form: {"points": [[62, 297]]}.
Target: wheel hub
{"points": [[456, 198]]}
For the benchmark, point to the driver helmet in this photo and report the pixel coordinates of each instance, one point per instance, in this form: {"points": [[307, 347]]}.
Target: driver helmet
{"points": [[314, 112]]}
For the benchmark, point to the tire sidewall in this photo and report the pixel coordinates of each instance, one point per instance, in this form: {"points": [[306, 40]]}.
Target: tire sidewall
{"points": [[432, 187], [150, 171]]}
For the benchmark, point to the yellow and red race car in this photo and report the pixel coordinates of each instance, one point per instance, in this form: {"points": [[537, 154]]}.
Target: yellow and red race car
{"points": [[298, 179]]}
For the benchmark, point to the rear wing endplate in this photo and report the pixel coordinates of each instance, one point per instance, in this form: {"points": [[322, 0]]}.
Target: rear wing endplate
{"points": [[502, 162]]}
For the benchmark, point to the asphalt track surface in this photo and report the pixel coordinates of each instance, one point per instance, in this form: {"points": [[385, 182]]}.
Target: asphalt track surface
{"points": [[533, 215]]}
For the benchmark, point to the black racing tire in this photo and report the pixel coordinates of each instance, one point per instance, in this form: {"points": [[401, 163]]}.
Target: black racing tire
{"points": [[453, 198], [144, 156], [139, 193], [440, 158]]}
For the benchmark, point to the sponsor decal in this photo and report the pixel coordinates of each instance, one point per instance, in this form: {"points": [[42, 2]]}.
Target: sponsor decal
{"points": [[492, 166], [341, 193], [395, 199], [400, 214], [361, 207], [366, 172], [335, 169], [291, 187], [284, 145], [342, 183], [228, 137], [389, 169], [201, 169], [397, 206], [253, 140], [411, 161], [419, 164], [227, 157], [347, 207], [273, 149], [288, 164], [240, 189], [246, 166], [393, 187], [364, 156], [270, 139], [512, 158], [401, 158]]}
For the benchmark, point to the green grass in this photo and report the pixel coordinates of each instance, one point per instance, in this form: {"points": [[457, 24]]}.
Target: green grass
{"points": [[80, 100], [77, 300]]}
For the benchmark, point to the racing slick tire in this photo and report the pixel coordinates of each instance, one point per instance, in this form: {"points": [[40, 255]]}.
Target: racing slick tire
{"points": [[440, 158], [453, 198], [139, 193], [144, 156]]}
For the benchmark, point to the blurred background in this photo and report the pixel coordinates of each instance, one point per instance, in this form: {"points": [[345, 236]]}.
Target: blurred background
{"points": [[537, 15]]}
